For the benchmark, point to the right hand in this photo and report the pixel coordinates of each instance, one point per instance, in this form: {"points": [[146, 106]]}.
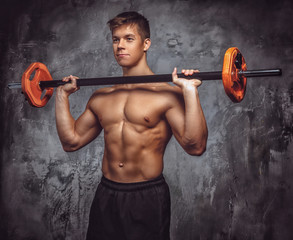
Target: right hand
{"points": [[70, 87], [184, 83]]}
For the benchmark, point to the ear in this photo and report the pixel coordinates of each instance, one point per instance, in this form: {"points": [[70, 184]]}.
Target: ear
{"points": [[147, 44]]}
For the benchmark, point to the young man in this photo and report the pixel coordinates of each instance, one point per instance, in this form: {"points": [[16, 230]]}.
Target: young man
{"points": [[132, 201]]}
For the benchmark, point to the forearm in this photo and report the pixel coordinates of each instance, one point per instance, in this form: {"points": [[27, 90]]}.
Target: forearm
{"points": [[195, 129], [64, 121]]}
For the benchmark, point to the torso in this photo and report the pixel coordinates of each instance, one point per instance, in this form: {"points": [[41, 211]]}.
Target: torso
{"points": [[136, 131]]}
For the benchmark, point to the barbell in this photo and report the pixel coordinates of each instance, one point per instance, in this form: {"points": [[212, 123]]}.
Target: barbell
{"points": [[234, 74]]}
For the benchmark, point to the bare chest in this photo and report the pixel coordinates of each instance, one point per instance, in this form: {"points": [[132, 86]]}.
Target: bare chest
{"points": [[145, 108]]}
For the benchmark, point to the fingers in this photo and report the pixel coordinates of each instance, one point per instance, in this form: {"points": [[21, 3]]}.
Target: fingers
{"points": [[182, 82], [174, 74], [189, 72], [71, 84], [71, 79], [175, 79], [66, 79]]}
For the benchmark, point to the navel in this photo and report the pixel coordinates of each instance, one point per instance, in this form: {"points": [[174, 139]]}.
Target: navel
{"points": [[121, 165]]}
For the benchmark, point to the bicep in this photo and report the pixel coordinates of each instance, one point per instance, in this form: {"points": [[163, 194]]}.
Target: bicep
{"points": [[87, 127]]}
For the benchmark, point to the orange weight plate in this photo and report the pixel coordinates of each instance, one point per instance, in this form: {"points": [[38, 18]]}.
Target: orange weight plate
{"points": [[234, 85], [31, 88]]}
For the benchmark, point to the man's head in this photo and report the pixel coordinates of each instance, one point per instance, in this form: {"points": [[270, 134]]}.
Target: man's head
{"points": [[132, 18], [130, 36]]}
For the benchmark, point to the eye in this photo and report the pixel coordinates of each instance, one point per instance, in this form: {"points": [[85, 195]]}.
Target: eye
{"points": [[130, 39], [115, 40]]}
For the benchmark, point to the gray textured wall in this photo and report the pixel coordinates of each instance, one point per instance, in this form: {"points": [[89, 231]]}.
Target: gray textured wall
{"points": [[241, 188]]}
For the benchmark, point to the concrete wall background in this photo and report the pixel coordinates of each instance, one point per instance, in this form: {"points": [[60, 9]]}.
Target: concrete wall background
{"points": [[241, 188]]}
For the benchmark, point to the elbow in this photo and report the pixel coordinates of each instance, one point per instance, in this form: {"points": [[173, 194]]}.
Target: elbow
{"points": [[196, 148], [70, 147], [196, 151]]}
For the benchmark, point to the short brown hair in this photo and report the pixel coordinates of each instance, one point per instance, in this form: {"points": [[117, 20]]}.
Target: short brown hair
{"points": [[143, 27]]}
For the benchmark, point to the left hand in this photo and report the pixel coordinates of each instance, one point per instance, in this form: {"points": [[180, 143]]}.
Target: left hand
{"points": [[185, 83]]}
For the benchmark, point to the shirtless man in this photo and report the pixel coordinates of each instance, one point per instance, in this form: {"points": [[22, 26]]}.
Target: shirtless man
{"points": [[132, 201]]}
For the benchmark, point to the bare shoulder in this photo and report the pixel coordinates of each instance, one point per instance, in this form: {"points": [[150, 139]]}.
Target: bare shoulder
{"points": [[170, 91], [102, 91], [165, 94], [97, 95]]}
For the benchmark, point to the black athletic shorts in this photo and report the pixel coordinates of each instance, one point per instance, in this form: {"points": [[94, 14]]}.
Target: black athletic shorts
{"points": [[130, 211]]}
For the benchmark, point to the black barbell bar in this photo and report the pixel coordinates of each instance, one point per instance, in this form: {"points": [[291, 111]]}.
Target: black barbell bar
{"points": [[217, 75]]}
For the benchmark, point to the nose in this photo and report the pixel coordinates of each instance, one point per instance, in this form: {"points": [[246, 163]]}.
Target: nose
{"points": [[120, 44]]}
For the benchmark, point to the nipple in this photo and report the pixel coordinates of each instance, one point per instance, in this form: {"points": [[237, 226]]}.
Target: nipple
{"points": [[121, 164], [147, 119]]}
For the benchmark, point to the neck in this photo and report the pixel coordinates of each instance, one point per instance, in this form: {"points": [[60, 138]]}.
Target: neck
{"points": [[137, 72], [140, 69]]}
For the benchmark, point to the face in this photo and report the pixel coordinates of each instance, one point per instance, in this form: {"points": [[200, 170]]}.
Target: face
{"points": [[128, 47]]}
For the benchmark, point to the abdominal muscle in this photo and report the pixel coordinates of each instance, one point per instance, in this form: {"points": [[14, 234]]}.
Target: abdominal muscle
{"points": [[134, 153]]}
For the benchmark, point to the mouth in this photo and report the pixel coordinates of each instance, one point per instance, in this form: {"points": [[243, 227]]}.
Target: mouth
{"points": [[122, 55]]}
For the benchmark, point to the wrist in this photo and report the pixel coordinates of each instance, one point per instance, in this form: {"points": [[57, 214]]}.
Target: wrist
{"points": [[189, 88], [61, 93]]}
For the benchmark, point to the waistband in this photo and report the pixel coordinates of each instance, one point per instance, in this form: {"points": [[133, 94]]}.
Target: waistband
{"points": [[133, 186]]}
